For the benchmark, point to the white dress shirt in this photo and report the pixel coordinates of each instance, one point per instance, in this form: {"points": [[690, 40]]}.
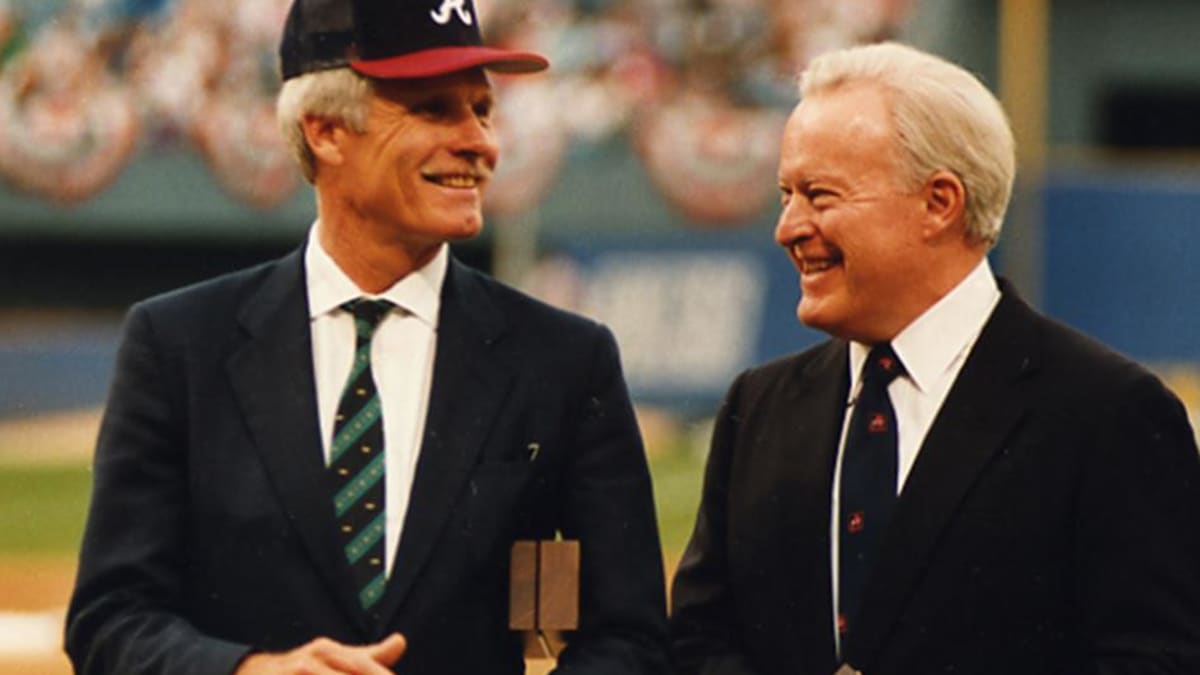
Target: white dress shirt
{"points": [[933, 349], [402, 355]]}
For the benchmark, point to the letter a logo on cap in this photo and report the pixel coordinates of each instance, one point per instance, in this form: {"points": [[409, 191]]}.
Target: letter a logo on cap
{"points": [[442, 14]]}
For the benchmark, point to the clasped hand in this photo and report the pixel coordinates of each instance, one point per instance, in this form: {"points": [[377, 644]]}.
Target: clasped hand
{"points": [[323, 656]]}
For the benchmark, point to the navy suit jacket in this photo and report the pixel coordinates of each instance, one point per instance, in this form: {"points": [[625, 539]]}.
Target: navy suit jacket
{"points": [[1048, 526], [211, 529]]}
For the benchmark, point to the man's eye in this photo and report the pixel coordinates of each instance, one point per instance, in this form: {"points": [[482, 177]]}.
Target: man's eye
{"points": [[430, 109], [819, 196], [483, 110]]}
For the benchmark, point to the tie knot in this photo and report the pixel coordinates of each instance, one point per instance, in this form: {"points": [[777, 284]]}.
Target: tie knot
{"points": [[882, 364], [367, 314]]}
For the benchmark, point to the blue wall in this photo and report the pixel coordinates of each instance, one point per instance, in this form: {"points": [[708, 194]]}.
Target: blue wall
{"points": [[1121, 259]]}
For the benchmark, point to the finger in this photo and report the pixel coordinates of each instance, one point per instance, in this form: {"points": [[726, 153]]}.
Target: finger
{"points": [[327, 657], [389, 650], [354, 661], [307, 659], [315, 667]]}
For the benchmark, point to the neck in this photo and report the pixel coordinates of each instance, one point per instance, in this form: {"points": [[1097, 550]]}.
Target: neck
{"points": [[945, 275], [370, 253], [957, 268]]}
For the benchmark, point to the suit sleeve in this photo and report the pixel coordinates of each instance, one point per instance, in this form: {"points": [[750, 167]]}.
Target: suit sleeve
{"points": [[125, 615], [1138, 539], [704, 631], [608, 506]]}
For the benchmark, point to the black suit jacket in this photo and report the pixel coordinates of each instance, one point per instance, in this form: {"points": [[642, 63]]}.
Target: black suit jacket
{"points": [[1048, 527], [211, 529]]}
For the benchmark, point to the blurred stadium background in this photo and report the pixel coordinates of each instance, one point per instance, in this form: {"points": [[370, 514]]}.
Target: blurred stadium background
{"points": [[138, 153]]}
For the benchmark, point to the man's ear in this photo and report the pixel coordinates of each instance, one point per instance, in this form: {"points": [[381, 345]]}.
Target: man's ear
{"points": [[325, 137], [945, 204]]}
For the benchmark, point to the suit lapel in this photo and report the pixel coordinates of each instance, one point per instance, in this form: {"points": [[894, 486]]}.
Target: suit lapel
{"points": [[979, 413], [468, 388], [815, 398], [273, 381]]}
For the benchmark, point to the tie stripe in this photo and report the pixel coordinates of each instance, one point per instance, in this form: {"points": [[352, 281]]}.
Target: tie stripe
{"points": [[358, 486], [356, 464], [353, 431], [371, 593], [362, 361], [365, 540]]}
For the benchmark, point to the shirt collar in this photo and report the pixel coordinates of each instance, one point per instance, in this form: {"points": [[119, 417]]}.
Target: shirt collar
{"points": [[418, 294], [933, 341]]}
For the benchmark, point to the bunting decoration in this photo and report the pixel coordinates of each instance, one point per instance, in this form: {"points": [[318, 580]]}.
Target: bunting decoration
{"points": [[698, 90]]}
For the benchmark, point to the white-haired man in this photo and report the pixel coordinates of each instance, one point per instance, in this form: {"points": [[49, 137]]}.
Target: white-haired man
{"points": [[953, 483], [319, 465]]}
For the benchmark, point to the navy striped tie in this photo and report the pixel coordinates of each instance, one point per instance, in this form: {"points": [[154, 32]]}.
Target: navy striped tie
{"points": [[356, 464]]}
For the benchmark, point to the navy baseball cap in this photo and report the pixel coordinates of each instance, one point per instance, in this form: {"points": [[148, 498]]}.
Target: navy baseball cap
{"points": [[392, 39]]}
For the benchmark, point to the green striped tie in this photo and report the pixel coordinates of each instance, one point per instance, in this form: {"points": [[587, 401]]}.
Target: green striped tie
{"points": [[356, 460]]}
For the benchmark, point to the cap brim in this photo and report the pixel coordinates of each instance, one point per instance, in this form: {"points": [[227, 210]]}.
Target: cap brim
{"points": [[446, 60]]}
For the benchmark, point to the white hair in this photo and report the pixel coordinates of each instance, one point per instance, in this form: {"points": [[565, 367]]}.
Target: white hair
{"points": [[945, 119], [338, 94]]}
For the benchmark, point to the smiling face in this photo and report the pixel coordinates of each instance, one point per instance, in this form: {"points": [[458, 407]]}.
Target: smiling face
{"points": [[852, 228], [417, 172]]}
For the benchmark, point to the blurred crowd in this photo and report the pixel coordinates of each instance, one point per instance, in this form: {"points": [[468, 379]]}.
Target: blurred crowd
{"points": [[698, 88]]}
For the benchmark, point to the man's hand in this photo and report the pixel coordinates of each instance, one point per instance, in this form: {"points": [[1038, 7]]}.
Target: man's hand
{"points": [[326, 657]]}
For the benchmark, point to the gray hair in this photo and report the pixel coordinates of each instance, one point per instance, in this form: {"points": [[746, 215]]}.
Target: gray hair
{"points": [[338, 94], [945, 119]]}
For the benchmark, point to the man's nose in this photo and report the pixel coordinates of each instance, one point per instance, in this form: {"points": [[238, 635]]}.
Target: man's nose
{"points": [[475, 137], [796, 221]]}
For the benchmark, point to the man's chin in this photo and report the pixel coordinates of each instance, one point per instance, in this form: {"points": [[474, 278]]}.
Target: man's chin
{"points": [[811, 315], [468, 228], [819, 317]]}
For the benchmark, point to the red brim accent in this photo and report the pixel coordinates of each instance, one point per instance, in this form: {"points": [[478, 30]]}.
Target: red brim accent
{"points": [[446, 60]]}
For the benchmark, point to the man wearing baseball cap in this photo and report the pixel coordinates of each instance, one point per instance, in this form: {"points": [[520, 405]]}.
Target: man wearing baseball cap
{"points": [[320, 464]]}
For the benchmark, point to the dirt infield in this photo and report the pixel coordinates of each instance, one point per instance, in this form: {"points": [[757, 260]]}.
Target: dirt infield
{"points": [[57, 438], [56, 665], [39, 586], [35, 583]]}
